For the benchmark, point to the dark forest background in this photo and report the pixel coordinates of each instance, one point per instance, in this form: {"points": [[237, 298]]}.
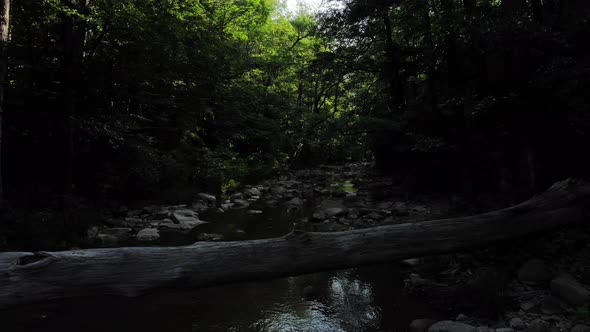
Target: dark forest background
{"points": [[110, 102]]}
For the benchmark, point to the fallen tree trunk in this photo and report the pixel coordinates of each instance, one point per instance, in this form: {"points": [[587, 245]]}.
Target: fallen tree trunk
{"points": [[29, 277]]}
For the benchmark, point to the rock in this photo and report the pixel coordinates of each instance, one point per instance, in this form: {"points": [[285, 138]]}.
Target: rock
{"points": [[173, 226], [484, 329], [188, 219], [295, 202], [412, 262], [148, 234], [240, 203], [505, 329], [517, 324], [528, 306], [161, 214], [252, 192], [534, 272], [384, 205], [119, 233], [278, 190], [108, 240], [539, 325], [551, 306], [400, 209], [309, 293], [207, 198], [450, 326], [227, 206], [200, 206], [462, 318], [421, 325], [254, 212], [568, 289], [580, 328], [209, 237], [374, 216], [92, 232]]}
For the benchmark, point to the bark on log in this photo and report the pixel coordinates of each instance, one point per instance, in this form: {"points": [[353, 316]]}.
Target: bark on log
{"points": [[30, 277]]}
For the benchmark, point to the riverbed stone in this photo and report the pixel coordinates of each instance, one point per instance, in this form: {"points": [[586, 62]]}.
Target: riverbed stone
{"points": [[580, 328], [567, 288], [211, 199], [120, 233], [148, 234], [295, 202], [450, 326], [108, 240], [538, 325], [241, 203], [421, 325], [534, 271], [209, 237], [517, 323]]}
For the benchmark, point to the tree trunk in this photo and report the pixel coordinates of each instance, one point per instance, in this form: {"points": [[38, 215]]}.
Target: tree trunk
{"points": [[4, 34], [29, 277]]}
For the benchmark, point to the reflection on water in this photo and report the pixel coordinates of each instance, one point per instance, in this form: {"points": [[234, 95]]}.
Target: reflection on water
{"points": [[366, 299]]}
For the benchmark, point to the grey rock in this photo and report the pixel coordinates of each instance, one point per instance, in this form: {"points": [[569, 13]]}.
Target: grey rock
{"points": [[462, 318], [400, 209], [209, 237], [252, 192], [92, 232], [148, 234], [539, 325], [580, 328], [295, 202], [188, 219], [108, 240], [278, 190], [421, 325], [120, 233], [450, 326], [528, 306], [534, 272], [484, 329], [551, 306], [207, 198], [568, 289], [505, 329], [254, 212], [240, 203], [200, 206], [517, 323]]}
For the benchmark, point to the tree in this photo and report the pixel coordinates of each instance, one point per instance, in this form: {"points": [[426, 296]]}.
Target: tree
{"points": [[4, 37]]}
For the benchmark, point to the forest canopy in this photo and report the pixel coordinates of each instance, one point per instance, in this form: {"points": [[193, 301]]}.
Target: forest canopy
{"points": [[135, 100]]}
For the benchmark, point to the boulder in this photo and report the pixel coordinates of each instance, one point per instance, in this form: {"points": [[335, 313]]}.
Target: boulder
{"points": [[517, 323], [241, 203], [200, 206], [148, 234], [254, 212], [295, 202], [534, 272], [581, 328], [568, 289], [505, 329], [108, 240], [539, 325], [400, 209], [450, 326], [188, 219], [551, 306], [421, 325], [118, 233], [207, 198], [252, 192]]}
